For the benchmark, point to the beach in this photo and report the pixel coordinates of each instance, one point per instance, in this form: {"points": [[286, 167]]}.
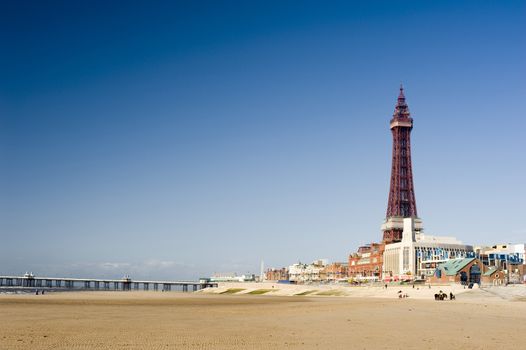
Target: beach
{"points": [[155, 320]]}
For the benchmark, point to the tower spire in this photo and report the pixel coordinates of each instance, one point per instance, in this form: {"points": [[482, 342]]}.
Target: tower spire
{"points": [[401, 109]]}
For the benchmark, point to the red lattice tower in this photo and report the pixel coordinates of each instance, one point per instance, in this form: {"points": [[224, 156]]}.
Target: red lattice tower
{"points": [[401, 203]]}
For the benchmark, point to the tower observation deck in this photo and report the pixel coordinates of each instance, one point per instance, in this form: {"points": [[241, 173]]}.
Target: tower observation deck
{"points": [[401, 203]]}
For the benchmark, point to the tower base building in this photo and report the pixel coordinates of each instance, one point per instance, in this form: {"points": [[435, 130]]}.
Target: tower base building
{"points": [[417, 255]]}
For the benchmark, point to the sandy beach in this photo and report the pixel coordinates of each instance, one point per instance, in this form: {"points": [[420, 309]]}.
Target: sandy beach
{"points": [[155, 320]]}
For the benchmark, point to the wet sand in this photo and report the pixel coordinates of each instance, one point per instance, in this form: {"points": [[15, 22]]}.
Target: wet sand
{"points": [[154, 320]]}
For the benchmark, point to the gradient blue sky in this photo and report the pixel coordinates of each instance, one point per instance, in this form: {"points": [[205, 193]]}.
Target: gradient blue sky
{"points": [[178, 139]]}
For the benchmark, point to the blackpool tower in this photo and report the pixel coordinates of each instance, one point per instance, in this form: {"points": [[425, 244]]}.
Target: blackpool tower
{"points": [[401, 203]]}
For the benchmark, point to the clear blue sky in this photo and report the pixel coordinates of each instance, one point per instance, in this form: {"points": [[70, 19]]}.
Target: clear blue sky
{"points": [[177, 139]]}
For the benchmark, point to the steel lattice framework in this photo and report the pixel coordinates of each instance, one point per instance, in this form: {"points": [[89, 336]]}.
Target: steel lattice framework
{"points": [[401, 203]]}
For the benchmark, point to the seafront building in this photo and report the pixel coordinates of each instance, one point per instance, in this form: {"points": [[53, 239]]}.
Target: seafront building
{"points": [[319, 271], [232, 277], [308, 273], [470, 270], [502, 254], [510, 258], [367, 263], [336, 272], [281, 274], [418, 255], [461, 270]]}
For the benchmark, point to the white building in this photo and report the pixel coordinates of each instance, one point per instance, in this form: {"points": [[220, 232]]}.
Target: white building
{"points": [[302, 273], [499, 253], [418, 255], [231, 277]]}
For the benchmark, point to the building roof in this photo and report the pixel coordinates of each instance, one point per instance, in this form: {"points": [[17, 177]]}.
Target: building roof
{"points": [[452, 267], [490, 271], [424, 238]]}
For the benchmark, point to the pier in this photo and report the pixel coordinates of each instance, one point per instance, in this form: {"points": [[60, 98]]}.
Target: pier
{"points": [[29, 280]]}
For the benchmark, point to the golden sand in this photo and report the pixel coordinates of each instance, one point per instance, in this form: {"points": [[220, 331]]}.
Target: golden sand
{"points": [[154, 320]]}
